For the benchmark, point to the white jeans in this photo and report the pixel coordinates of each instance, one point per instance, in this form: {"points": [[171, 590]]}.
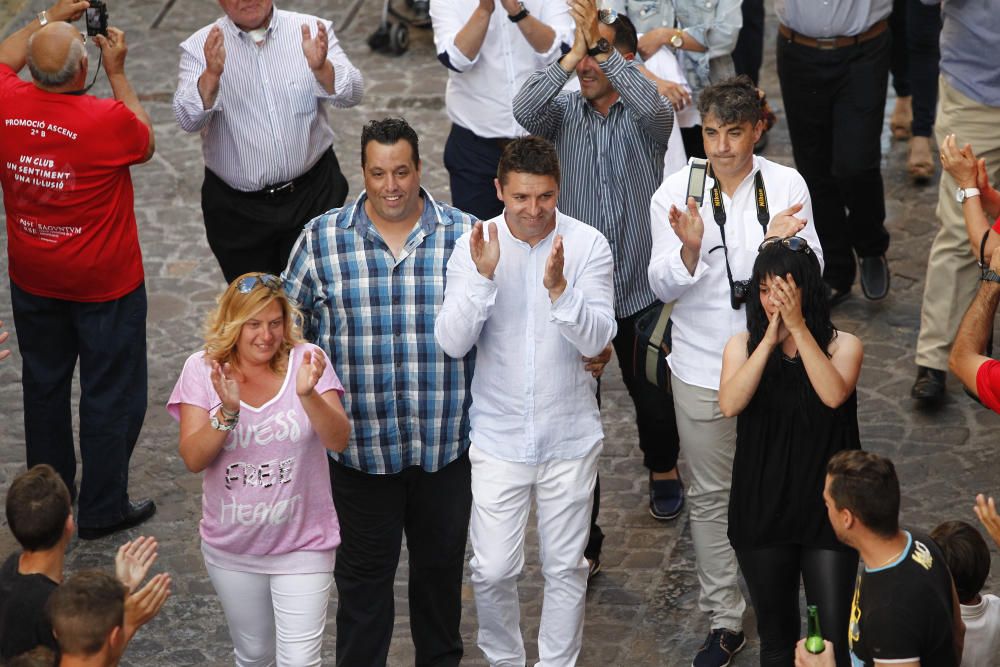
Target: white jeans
{"points": [[274, 619], [501, 498]]}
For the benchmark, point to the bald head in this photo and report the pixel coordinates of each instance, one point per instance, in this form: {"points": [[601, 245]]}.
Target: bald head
{"points": [[56, 55]]}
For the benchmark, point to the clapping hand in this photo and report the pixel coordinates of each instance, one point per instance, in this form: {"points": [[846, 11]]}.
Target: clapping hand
{"points": [[986, 510], [225, 386], [961, 163], [215, 51], [310, 371], [142, 606], [315, 48], [584, 13], [688, 225], [554, 280], [485, 252], [785, 224], [133, 560]]}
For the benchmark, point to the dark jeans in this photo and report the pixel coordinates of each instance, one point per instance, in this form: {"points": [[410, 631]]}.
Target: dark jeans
{"points": [[654, 416], [748, 55], [472, 162], [374, 512], [249, 233], [772, 576], [834, 102], [109, 339], [916, 29]]}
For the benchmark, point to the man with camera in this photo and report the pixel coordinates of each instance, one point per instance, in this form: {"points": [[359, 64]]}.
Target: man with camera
{"points": [[254, 84], [706, 229], [76, 278]]}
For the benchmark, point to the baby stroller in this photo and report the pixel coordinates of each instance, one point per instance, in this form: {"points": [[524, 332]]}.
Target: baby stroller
{"points": [[395, 37]]}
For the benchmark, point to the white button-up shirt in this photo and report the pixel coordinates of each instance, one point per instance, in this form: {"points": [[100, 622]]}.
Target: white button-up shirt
{"points": [[703, 319], [479, 92], [532, 399], [267, 125]]}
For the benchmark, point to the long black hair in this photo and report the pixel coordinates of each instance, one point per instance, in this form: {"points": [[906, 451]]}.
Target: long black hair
{"points": [[777, 260]]}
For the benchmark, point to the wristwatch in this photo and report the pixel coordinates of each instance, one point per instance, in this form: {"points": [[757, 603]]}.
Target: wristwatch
{"points": [[43, 19], [677, 39], [961, 194], [522, 13], [227, 425], [991, 276], [602, 46]]}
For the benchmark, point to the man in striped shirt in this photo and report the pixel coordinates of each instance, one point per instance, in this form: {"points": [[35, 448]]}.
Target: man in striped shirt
{"points": [[253, 84], [369, 279], [611, 137]]}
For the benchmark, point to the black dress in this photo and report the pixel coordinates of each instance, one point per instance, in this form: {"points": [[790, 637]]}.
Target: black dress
{"points": [[784, 438]]}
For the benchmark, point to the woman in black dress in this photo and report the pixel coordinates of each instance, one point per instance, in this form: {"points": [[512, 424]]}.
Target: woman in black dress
{"points": [[791, 379]]}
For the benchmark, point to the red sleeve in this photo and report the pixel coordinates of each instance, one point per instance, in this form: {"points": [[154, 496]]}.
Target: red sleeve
{"points": [[9, 80], [996, 225], [988, 384], [131, 134]]}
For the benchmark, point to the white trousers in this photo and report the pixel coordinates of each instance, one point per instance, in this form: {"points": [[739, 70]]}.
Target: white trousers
{"points": [[501, 498], [274, 619]]}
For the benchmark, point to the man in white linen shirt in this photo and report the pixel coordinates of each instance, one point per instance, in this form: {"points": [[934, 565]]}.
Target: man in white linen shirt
{"points": [[532, 290], [253, 83], [689, 266], [490, 48]]}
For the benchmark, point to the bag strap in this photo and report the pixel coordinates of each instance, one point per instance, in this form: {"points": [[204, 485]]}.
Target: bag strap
{"points": [[653, 349]]}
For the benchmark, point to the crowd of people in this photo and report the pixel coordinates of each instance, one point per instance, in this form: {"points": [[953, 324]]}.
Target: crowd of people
{"points": [[396, 365]]}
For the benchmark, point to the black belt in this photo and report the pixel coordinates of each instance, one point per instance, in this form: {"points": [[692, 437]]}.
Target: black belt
{"points": [[286, 188]]}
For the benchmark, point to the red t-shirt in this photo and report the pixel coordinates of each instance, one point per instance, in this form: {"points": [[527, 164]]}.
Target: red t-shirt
{"points": [[67, 191], [988, 384]]}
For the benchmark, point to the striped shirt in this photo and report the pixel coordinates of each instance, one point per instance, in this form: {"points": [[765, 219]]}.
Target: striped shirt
{"points": [[267, 125], [611, 165], [373, 314]]}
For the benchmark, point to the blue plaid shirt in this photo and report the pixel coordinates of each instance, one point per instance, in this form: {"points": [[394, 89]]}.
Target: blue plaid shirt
{"points": [[374, 314]]}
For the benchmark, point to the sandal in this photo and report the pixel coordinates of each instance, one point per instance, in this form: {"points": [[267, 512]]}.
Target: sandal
{"points": [[902, 119], [920, 162]]}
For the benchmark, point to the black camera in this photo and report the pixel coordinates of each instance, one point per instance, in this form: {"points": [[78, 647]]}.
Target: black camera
{"points": [[97, 18], [738, 291]]}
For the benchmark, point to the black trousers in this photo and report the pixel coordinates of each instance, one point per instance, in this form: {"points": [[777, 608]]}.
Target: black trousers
{"points": [[655, 420], [472, 162], [432, 509], [834, 102], [916, 29], [252, 233], [109, 339], [772, 576], [748, 55]]}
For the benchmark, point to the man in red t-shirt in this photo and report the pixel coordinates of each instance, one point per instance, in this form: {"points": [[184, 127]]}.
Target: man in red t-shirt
{"points": [[77, 287], [978, 372]]}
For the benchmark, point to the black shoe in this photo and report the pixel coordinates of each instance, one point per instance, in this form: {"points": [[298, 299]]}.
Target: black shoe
{"points": [[666, 498], [836, 296], [929, 385], [719, 648], [874, 276], [137, 513]]}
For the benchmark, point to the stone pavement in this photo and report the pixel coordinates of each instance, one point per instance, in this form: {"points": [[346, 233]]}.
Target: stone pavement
{"points": [[642, 609]]}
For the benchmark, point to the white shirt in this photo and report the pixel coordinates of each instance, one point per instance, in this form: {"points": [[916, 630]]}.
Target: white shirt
{"points": [[479, 92], [703, 320], [532, 399], [267, 125], [982, 632]]}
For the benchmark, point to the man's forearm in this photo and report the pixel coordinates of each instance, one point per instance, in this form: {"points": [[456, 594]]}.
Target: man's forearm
{"points": [[124, 93], [14, 49], [326, 76], [208, 88], [470, 38], [975, 329], [539, 35]]}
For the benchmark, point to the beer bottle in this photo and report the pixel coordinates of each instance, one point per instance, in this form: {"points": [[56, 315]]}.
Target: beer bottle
{"points": [[814, 636]]}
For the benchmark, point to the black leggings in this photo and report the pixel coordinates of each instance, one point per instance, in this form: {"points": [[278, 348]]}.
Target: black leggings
{"points": [[772, 576]]}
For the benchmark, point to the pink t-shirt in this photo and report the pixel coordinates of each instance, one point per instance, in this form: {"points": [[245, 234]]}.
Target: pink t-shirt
{"points": [[267, 504]]}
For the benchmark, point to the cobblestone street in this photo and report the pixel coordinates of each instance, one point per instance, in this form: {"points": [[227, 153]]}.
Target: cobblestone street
{"points": [[642, 609]]}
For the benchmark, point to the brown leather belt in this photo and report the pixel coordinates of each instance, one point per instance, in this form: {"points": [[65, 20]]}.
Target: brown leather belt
{"points": [[830, 43]]}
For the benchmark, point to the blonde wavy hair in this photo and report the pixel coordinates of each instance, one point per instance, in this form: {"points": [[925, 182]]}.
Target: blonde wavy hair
{"points": [[224, 324]]}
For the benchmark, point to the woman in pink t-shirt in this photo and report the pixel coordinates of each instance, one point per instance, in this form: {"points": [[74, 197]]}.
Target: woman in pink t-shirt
{"points": [[258, 408]]}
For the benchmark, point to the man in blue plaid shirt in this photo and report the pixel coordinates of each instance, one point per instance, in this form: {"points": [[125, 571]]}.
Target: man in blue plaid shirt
{"points": [[369, 278]]}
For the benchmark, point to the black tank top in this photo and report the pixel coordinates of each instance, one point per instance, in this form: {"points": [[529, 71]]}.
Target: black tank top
{"points": [[785, 436]]}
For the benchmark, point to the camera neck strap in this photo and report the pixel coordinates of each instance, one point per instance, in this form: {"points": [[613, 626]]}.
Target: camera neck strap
{"points": [[719, 213]]}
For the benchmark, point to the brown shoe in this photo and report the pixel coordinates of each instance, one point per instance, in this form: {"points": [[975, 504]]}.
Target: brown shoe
{"points": [[902, 118], [920, 162]]}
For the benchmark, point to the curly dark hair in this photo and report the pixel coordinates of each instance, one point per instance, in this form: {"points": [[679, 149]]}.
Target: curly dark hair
{"points": [[777, 260]]}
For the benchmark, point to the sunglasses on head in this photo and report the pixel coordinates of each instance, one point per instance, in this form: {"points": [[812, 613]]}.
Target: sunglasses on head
{"points": [[607, 16], [793, 243], [248, 283]]}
